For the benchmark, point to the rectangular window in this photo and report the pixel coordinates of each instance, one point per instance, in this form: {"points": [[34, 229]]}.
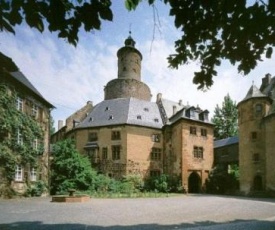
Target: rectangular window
{"points": [[156, 154], [115, 135], [116, 152], [33, 176], [198, 152], [19, 137], [35, 144], [253, 136], [105, 153], [154, 173], [34, 112], [204, 132], [193, 130], [156, 137], [92, 153], [259, 109], [19, 104], [18, 173], [92, 136]]}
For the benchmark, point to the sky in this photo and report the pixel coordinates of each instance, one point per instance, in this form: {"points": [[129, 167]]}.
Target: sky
{"points": [[69, 76]]}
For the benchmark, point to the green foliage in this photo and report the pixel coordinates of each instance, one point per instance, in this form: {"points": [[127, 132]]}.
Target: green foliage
{"points": [[12, 120], [221, 180], [129, 184], [211, 30], [225, 119], [6, 191], [217, 30], [69, 169], [64, 16], [164, 183], [36, 189]]}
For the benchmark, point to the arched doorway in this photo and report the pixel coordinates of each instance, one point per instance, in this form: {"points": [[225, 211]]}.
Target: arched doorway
{"points": [[194, 183], [258, 183]]}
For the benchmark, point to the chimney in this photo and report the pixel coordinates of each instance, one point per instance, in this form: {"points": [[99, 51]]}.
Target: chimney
{"points": [[60, 124], [265, 81], [159, 96]]}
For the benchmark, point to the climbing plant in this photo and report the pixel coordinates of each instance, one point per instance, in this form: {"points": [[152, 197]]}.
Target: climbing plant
{"points": [[12, 121]]}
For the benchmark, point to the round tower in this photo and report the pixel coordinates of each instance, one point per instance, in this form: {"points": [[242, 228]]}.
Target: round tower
{"points": [[129, 60], [252, 159], [128, 83]]}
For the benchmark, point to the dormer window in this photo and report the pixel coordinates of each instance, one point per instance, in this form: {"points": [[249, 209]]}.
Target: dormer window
{"points": [[111, 117], [146, 109], [203, 116], [192, 113], [139, 117], [156, 120], [107, 108]]}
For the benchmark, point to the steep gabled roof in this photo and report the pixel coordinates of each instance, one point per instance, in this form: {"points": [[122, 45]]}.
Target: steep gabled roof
{"points": [[7, 63], [11, 71]]}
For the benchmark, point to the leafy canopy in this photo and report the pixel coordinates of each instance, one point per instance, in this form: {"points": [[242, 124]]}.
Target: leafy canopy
{"points": [[241, 31], [70, 169], [225, 119]]}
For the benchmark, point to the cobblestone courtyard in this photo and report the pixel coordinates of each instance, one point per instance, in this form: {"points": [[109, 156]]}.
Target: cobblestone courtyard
{"points": [[178, 212]]}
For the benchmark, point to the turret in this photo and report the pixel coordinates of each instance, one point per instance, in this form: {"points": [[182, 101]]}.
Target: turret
{"points": [[129, 60], [252, 109], [128, 82]]}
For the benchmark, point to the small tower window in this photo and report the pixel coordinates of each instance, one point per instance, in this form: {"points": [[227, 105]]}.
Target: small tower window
{"points": [[258, 109], [253, 136]]}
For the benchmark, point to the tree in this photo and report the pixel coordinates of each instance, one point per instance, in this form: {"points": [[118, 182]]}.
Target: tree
{"points": [[222, 181], [225, 119], [240, 31], [69, 169]]}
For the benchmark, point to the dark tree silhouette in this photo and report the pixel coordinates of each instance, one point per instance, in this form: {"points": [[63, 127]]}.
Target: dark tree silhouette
{"points": [[240, 31]]}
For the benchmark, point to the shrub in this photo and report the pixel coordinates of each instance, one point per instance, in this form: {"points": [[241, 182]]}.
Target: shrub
{"points": [[36, 189], [70, 169]]}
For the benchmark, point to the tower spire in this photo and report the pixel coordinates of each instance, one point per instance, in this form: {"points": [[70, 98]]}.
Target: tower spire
{"points": [[130, 41]]}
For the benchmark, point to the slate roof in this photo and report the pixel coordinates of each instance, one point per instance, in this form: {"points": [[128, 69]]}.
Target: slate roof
{"points": [[253, 92], [120, 111], [226, 142], [168, 106]]}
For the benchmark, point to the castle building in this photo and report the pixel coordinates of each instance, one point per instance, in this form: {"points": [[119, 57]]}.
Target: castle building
{"points": [[256, 137], [24, 130], [127, 133]]}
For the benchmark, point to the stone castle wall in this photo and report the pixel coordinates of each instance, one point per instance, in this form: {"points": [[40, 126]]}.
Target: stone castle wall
{"points": [[125, 88]]}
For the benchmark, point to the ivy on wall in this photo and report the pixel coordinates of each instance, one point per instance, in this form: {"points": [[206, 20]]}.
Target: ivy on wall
{"points": [[12, 121]]}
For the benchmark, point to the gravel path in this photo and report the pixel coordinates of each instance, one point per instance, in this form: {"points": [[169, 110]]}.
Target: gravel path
{"points": [[178, 212]]}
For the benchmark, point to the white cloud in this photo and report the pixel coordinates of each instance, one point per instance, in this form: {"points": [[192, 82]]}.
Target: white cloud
{"points": [[68, 77]]}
